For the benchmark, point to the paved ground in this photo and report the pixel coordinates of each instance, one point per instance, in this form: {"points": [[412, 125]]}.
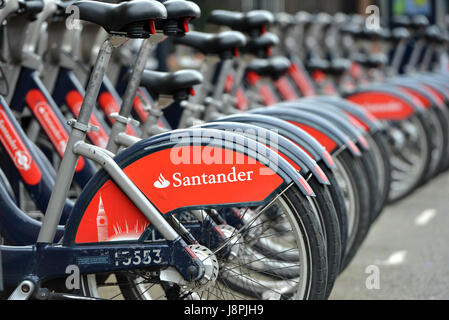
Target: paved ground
{"points": [[407, 248]]}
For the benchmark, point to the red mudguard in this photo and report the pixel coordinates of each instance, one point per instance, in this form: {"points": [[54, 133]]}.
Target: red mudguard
{"points": [[173, 179]]}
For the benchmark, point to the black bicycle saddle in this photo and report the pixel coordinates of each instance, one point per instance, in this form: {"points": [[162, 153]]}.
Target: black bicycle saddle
{"points": [[324, 19], [285, 20], [351, 29], [376, 33], [419, 21], [223, 44], [131, 19], [29, 8], [176, 84], [339, 66], [371, 60], [253, 22], [260, 46], [399, 33], [179, 13], [433, 33], [317, 64], [401, 21], [303, 17], [273, 68]]}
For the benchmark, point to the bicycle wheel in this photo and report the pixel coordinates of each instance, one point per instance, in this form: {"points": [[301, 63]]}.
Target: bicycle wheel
{"points": [[338, 198], [381, 154], [439, 143], [411, 154], [441, 115], [369, 170], [330, 223], [352, 180], [273, 256]]}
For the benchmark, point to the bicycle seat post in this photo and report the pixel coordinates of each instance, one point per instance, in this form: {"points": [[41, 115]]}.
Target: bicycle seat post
{"points": [[79, 130], [122, 119], [400, 38]]}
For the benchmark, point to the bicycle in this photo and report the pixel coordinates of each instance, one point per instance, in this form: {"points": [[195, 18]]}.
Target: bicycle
{"points": [[68, 250]]}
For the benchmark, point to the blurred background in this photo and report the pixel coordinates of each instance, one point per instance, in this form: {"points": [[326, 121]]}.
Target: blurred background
{"points": [[387, 7], [435, 10]]}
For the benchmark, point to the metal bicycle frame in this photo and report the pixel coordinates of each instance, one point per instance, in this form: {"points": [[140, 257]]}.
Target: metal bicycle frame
{"points": [[30, 84], [24, 76], [112, 255], [76, 147], [24, 263], [104, 158], [118, 136], [123, 117], [40, 189]]}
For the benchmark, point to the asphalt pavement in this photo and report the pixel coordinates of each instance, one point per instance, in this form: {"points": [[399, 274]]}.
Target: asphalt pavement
{"points": [[406, 254]]}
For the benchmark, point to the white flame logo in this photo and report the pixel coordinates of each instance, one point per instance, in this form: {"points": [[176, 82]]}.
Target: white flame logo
{"points": [[161, 182], [22, 160]]}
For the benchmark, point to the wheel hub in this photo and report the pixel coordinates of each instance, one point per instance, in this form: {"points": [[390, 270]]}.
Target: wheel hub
{"points": [[211, 267]]}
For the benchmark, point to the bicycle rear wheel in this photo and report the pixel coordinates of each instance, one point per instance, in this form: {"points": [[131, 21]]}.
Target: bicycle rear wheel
{"points": [[381, 155], [352, 181], [411, 155], [277, 253]]}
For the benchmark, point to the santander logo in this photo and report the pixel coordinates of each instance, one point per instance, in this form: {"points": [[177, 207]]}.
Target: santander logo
{"points": [[186, 181], [384, 107], [22, 160], [161, 182], [48, 119], [17, 151]]}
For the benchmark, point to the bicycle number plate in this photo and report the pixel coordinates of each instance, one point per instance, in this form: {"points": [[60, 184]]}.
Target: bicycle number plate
{"points": [[138, 257]]}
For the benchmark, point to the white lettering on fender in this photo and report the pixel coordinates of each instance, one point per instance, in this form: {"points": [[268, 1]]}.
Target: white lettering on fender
{"points": [[186, 181], [176, 177]]}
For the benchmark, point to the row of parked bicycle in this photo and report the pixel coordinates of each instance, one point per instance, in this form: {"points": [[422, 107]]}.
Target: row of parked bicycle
{"points": [[257, 176]]}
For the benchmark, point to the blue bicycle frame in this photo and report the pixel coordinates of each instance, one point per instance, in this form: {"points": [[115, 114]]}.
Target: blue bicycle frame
{"points": [[32, 93]]}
